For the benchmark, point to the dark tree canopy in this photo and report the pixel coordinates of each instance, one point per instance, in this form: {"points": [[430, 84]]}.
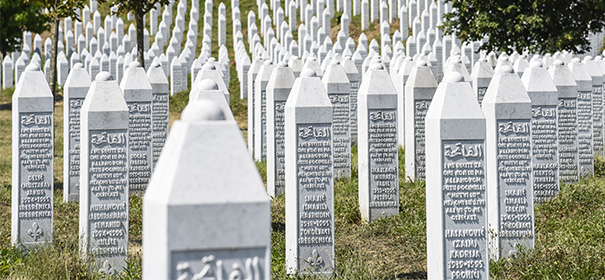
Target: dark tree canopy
{"points": [[17, 17], [539, 26]]}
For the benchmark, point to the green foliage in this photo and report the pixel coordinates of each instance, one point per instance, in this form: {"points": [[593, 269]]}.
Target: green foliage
{"points": [[58, 9], [17, 17], [599, 166], [538, 26]]}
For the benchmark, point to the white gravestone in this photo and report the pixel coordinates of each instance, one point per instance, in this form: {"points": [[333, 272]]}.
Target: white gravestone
{"points": [[7, 72], [75, 90], [457, 245], [585, 151], [138, 94], [252, 74], [354, 77], [419, 91], [260, 110], [279, 87], [104, 182], [544, 99], [378, 148], [193, 192], [32, 160], [159, 108], [339, 89], [567, 121], [481, 76], [507, 109], [596, 75], [309, 178], [209, 89]]}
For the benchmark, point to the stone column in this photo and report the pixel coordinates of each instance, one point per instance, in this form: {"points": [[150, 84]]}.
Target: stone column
{"points": [[378, 149], [455, 157], [279, 87], [104, 180], [138, 94], [32, 160], [159, 107], [419, 91], [339, 89], [545, 158], [585, 115], [260, 110], [206, 177], [75, 90], [309, 178], [507, 109], [567, 121]]}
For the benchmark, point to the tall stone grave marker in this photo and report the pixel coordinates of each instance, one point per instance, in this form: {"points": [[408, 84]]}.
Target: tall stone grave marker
{"points": [[419, 91], [339, 91], [596, 74], [75, 90], [104, 180], [279, 87], [507, 109], [138, 95], [567, 121], [481, 76], [457, 245], [309, 178], [585, 151], [354, 77], [32, 160], [191, 189], [545, 158], [260, 110], [159, 108], [378, 148], [252, 73]]}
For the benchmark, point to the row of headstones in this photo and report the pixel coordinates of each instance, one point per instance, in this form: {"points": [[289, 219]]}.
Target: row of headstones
{"points": [[113, 133], [536, 169]]}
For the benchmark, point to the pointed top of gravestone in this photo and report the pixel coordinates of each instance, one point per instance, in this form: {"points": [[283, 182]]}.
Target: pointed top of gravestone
{"points": [[32, 67], [208, 66], [208, 84], [78, 66], [581, 75], [536, 63], [421, 77], [308, 73], [103, 77], [563, 79], [202, 110], [506, 89], [539, 85], [452, 94], [282, 64]]}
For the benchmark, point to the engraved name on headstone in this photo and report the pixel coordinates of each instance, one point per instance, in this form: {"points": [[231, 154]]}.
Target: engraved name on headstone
{"points": [[159, 107], [75, 90], [32, 160], [104, 177], [138, 94], [378, 148], [585, 115], [457, 245], [309, 178], [337, 84]]}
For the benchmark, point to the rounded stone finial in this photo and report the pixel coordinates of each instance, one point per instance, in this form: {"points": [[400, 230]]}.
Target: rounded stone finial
{"points": [[282, 64], [103, 77], [575, 60], [334, 62], [454, 77], [535, 63], [134, 64], [202, 110], [208, 84], [421, 63], [588, 58], [558, 62], [78, 65], [208, 66], [212, 59], [268, 62], [506, 69], [32, 67], [308, 73], [376, 66], [156, 64]]}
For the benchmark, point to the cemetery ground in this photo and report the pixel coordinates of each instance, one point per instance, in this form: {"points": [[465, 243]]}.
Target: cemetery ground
{"points": [[570, 229]]}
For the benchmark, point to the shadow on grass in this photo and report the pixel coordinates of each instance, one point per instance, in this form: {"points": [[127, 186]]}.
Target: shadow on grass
{"points": [[411, 275], [6, 106], [278, 227]]}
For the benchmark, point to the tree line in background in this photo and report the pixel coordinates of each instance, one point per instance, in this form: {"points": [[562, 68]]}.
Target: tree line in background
{"points": [[539, 26]]}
